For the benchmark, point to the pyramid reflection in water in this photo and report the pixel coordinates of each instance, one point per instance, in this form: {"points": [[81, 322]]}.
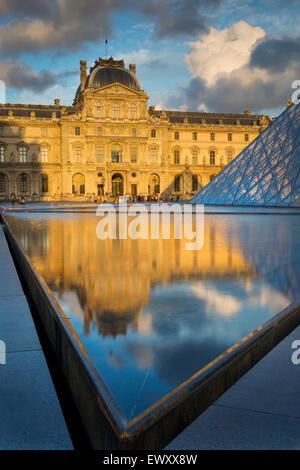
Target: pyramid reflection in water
{"points": [[266, 173]]}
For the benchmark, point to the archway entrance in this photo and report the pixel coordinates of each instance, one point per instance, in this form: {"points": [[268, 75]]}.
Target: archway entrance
{"points": [[154, 184], [117, 185], [78, 184]]}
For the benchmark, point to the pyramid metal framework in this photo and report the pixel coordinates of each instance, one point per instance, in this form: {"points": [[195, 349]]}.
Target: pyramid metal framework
{"points": [[266, 173]]}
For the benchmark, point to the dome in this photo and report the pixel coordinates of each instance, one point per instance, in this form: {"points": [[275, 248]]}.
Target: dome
{"points": [[104, 76], [105, 72]]}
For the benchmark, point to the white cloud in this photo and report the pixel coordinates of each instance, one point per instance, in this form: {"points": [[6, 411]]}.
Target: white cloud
{"points": [[222, 52]]}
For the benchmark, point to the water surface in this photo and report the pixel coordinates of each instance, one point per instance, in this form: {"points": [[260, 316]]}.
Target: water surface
{"points": [[150, 313]]}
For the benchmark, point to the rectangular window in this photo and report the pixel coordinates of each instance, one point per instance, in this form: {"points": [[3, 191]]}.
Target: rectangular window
{"points": [[116, 156], [2, 154], [195, 157], [77, 130], [133, 155], [23, 154], [134, 189], [212, 157], [44, 154], [153, 133], [133, 111], [246, 137], [194, 135], [99, 154], [45, 185], [22, 131], [99, 131], [2, 184], [176, 135], [195, 183], [229, 137], [212, 136], [229, 156], [1, 131], [177, 183], [44, 131], [153, 155], [176, 157], [99, 111], [115, 110], [77, 154]]}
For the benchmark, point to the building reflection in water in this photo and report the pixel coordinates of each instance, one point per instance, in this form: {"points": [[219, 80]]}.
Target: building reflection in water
{"points": [[149, 312]]}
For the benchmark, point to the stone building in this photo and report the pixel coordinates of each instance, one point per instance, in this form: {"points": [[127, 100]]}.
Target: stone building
{"points": [[110, 143]]}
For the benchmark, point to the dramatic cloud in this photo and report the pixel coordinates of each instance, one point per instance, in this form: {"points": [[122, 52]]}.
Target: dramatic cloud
{"points": [[237, 69], [276, 54], [177, 17], [20, 76], [46, 24]]}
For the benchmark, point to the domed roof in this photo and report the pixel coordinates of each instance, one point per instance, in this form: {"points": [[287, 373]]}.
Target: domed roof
{"points": [[108, 71], [103, 76]]}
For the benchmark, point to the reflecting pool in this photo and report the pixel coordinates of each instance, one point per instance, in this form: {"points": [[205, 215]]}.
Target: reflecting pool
{"points": [[150, 313]]}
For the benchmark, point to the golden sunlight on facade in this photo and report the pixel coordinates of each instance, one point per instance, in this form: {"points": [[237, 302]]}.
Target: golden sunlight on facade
{"points": [[109, 143]]}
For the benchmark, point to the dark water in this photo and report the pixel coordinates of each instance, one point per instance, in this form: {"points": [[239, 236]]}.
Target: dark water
{"points": [[150, 313]]}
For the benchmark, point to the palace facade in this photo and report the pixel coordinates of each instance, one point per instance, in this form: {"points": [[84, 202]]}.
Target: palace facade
{"points": [[109, 143]]}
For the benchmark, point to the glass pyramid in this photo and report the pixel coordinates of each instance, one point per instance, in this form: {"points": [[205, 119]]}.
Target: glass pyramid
{"points": [[266, 173]]}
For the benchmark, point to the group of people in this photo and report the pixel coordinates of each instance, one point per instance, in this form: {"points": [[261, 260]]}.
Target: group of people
{"points": [[14, 200], [138, 198]]}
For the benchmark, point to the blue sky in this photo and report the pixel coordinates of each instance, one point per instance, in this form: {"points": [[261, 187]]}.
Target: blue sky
{"points": [[218, 55]]}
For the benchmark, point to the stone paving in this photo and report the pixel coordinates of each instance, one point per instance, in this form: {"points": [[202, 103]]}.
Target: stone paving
{"points": [[261, 411], [30, 414]]}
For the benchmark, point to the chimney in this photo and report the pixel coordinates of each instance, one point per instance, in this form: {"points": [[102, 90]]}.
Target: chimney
{"points": [[83, 75], [132, 68], [57, 102]]}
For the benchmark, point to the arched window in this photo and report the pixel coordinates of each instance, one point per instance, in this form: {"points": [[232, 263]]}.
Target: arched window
{"points": [[116, 154], [154, 184], [133, 114], [117, 185], [45, 183], [212, 177], [115, 110]]}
